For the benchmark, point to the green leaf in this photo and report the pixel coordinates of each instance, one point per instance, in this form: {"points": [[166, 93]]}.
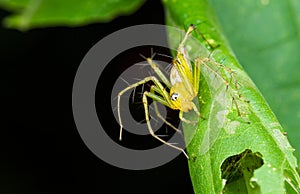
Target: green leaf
{"points": [[44, 13], [268, 47], [237, 121]]}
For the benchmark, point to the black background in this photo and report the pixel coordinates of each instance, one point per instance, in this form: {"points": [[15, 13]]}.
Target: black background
{"points": [[41, 150]]}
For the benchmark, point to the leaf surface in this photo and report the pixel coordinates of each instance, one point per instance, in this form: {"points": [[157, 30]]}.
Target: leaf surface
{"points": [[268, 47], [225, 132]]}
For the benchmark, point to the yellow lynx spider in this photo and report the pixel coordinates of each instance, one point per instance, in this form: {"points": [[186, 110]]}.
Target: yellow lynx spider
{"points": [[183, 85]]}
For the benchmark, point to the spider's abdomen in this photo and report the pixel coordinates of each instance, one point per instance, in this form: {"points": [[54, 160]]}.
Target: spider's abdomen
{"points": [[174, 76]]}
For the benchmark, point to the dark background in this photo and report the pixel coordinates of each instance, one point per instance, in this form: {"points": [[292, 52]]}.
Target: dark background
{"points": [[41, 150]]}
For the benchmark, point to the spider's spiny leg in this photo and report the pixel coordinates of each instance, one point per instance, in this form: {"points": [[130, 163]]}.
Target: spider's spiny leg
{"points": [[145, 101], [150, 78], [156, 89], [186, 120]]}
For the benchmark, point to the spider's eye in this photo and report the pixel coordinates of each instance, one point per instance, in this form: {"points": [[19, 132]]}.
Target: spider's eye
{"points": [[174, 96]]}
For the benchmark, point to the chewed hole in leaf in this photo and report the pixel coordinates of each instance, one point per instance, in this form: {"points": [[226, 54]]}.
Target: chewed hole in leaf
{"points": [[237, 171]]}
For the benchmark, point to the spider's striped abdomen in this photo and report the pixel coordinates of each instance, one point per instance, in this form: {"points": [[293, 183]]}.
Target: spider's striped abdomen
{"points": [[182, 91]]}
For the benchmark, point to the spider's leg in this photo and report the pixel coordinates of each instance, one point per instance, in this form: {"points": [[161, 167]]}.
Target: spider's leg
{"points": [[197, 111], [186, 120], [145, 101], [226, 74], [150, 78], [207, 42], [196, 77], [159, 73], [156, 89], [190, 29]]}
